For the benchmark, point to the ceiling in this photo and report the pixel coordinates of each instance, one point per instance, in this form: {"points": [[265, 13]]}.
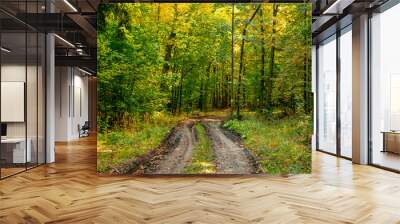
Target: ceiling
{"points": [[330, 15], [74, 22]]}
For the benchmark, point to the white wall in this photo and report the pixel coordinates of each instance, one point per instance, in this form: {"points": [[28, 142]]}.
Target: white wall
{"points": [[80, 110], [71, 102], [33, 127], [16, 73], [62, 82]]}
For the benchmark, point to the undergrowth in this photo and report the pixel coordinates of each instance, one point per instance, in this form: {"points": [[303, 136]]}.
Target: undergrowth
{"points": [[118, 145], [282, 146]]}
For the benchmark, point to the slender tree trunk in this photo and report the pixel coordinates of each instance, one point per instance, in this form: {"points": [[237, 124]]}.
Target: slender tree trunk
{"points": [[180, 94], [168, 52], [169, 47], [232, 55], [200, 103], [206, 87], [202, 97], [224, 87], [244, 88], [240, 75], [272, 58], [262, 87], [215, 90], [158, 12], [217, 85], [158, 22], [172, 101], [173, 97], [241, 67]]}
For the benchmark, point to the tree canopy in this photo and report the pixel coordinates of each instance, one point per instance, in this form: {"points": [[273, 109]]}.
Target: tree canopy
{"points": [[177, 58]]}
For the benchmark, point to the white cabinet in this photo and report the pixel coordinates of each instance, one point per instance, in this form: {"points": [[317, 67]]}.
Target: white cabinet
{"points": [[19, 155]]}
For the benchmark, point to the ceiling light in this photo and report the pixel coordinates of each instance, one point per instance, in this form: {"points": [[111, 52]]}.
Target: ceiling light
{"points": [[84, 71], [337, 7], [65, 41], [331, 8], [70, 5], [80, 51], [5, 50]]}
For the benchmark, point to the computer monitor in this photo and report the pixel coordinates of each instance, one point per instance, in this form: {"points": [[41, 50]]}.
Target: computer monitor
{"points": [[3, 129]]}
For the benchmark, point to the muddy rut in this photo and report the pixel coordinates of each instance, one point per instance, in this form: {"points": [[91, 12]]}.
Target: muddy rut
{"points": [[180, 156], [230, 157]]}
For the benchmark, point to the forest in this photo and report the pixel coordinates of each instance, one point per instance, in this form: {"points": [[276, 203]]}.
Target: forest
{"points": [[163, 64]]}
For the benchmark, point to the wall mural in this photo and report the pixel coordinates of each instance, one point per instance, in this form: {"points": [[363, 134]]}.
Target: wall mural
{"points": [[196, 88]]}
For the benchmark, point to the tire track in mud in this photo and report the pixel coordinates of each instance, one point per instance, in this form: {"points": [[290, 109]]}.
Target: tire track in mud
{"points": [[175, 161], [231, 158]]}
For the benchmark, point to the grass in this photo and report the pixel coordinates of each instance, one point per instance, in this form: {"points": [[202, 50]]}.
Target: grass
{"points": [[217, 113], [282, 146], [203, 154], [117, 146]]}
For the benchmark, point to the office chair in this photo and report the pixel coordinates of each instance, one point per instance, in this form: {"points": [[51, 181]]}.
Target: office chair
{"points": [[84, 130]]}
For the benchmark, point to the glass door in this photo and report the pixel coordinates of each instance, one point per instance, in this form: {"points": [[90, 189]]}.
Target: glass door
{"points": [[14, 153], [327, 95], [346, 92], [385, 89], [22, 78]]}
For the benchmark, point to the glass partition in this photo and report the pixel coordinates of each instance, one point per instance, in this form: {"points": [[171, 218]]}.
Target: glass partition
{"points": [[385, 89], [14, 151], [22, 78], [31, 99], [346, 92], [327, 95], [41, 110]]}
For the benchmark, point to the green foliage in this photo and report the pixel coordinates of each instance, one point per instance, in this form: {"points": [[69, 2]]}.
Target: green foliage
{"points": [[176, 58], [282, 146], [203, 154], [158, 61]]}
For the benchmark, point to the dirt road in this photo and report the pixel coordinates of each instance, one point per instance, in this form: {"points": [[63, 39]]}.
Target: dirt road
{"points": [[230, 157], [178, 157]]}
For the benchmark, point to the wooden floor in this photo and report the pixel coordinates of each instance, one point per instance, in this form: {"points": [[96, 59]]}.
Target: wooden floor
{"points": [[5, 172], [70, 191], [387, 159]]}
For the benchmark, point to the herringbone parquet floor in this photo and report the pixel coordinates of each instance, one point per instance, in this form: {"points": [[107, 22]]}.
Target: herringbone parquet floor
{"points": [[70, 191]]}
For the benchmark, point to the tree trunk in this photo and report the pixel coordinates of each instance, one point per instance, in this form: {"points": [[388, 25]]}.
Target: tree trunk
{"points": [[241, 67], [180, 94], [240, 74], [244, 88], [168, 48], [200, 103], [262, 87], [206, 86], [232, 56], [272, 58]]}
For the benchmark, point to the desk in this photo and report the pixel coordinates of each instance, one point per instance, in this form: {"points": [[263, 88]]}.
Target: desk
{"points": [[391, 141], [13, 150]]}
